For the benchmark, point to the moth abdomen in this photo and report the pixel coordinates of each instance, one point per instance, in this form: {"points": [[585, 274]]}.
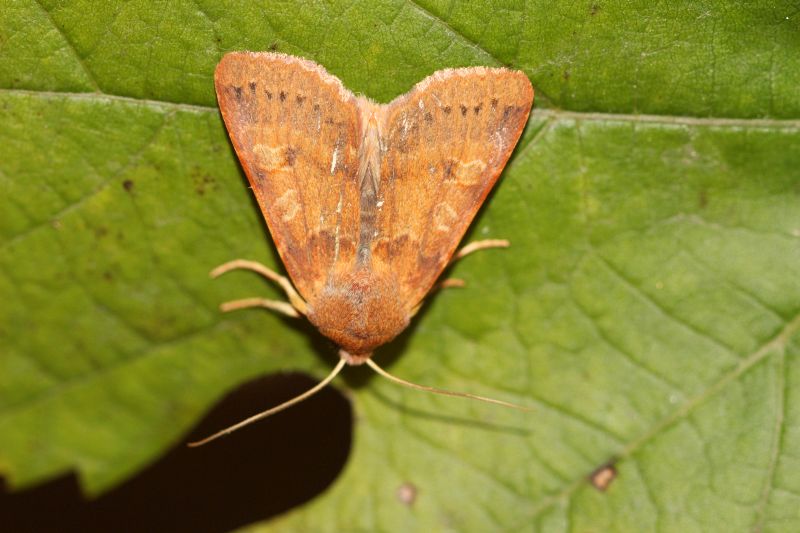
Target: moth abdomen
{"points": [[360, 310]]}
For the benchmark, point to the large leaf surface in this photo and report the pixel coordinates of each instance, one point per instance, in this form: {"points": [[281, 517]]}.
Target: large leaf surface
{"points": [[648, 308]]}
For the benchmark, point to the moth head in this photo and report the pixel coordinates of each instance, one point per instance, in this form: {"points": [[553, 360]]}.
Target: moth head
{"points": [[359, 311]]}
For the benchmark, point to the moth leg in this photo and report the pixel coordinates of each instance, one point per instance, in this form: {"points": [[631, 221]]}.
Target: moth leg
{"points": [[478, 245], [295, 299], [465, 251], [444, 284], [448, 283], [281, 307]]}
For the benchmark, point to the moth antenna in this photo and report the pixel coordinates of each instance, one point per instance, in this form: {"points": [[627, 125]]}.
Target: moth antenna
{"points": [[269, 412], [374, 366]]}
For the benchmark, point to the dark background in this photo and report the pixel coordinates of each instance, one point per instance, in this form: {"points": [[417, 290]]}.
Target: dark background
{"points": [[252, 474]]}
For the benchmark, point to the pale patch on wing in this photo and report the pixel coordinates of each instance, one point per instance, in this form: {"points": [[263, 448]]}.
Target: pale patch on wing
{"points": [[287, 205], [270, 157], [334, 158], [470, 172], [443, 216]]}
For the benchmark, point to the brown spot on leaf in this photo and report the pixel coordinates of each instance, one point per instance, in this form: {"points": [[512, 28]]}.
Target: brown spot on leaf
{"points": [[202, 182], [407, 493], [602, 478], [127, 185]]}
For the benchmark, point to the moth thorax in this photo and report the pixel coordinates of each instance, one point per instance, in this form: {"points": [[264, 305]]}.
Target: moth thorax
{"points": [[359, 310]]}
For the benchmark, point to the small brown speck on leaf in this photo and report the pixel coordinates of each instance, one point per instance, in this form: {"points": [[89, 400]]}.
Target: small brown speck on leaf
{"points": [[407, 493], [703, 199], [602, 478], [127, 185]]}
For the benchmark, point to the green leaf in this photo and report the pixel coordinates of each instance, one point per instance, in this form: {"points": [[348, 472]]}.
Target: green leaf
{"points": [[648, 308]]}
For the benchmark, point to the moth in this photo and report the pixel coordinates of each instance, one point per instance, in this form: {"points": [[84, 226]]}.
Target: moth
{"points": [[366, 202]]}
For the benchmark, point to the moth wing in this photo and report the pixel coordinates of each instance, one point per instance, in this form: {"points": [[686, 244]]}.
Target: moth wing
{"points": [[446, 143], [296, 131]]}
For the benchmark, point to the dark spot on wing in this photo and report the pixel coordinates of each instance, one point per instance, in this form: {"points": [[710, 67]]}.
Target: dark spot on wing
{"points": [[252, 85], [269, 95], [291, 156], [447, 110], [447, 169], [428, 117], [237, 92], [260, 178], [300, 99], [494, 103], [478, 108], [463, 110], [283, 96]]}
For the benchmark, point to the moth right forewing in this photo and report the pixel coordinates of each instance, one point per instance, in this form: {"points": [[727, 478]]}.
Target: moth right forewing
{"points": [[296, 131], [447, 141]]}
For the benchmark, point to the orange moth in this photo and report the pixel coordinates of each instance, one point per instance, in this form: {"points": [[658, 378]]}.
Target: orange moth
{"points": [[366, 202]]}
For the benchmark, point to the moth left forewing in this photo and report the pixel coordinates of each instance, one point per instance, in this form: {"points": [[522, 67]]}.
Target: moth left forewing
{"points": [[445, 144], [296, 131]]}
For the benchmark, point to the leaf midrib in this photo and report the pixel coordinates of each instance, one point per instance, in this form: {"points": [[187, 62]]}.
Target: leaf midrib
{"points": [[559, 114]]}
